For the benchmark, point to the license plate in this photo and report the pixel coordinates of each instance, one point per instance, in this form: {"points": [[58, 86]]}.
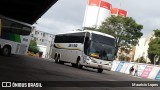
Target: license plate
{"points": [[99, 66]]}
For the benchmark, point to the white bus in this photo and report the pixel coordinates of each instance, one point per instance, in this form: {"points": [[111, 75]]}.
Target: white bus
{"points": [[14, 36], [85, 48]]}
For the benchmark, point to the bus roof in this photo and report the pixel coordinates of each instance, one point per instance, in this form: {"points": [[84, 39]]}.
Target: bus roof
{"points": [[90, 31], [100, 33], [1, 16]]}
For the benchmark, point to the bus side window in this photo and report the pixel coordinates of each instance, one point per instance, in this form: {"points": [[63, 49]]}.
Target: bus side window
{"points": [[86, 43]]}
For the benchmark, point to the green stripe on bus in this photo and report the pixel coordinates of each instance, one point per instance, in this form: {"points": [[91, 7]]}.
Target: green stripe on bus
{"points": [[17, 38]]}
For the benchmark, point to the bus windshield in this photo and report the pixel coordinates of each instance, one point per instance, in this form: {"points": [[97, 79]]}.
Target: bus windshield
{"points": [[102, 48], [102, 51], [103, 39]]}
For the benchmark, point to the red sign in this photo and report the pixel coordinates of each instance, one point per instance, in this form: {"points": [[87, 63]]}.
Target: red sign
{"points": [[122, 13], [94, 2], [114, 11], [105, 5]]}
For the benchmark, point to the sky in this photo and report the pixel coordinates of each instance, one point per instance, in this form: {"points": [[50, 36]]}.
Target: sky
{"points": [[68, 15]]}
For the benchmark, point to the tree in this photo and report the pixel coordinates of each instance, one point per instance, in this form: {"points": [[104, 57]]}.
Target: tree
{"points": [[89, 28], [33, 46], [154, 46], [157, 33], [124, 29], [141, 60], [123, 58]]}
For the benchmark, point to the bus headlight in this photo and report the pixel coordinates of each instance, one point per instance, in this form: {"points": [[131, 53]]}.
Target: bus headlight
{"points": [[110, 64], [89, 59]]}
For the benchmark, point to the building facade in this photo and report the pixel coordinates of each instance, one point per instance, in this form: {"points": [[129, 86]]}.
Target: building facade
{"points": [[44, 41], [142, 47], [138, 51], [96, 12]]}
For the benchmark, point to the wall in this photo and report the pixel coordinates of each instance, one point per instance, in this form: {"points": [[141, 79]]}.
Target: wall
{"points": [[147, 71], [141, 49]]}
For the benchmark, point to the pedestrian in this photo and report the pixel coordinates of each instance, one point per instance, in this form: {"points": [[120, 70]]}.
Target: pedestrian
{"points": [[136, 70], [131, 70]]}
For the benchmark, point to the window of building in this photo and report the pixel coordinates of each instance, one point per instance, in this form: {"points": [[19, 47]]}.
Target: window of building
{"points": [[36, 32], [43, 34]]}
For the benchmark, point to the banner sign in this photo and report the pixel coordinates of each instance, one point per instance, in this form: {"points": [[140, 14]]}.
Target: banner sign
{"points": [[120, 66], [154, 72], [124, 67], [115, 65], [141, 68], [158, 76], [147, 71]]}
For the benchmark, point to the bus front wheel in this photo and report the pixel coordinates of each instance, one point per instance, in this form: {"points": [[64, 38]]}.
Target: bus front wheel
{"points": [[78, 64], [100, 70], [73, 65], [6, 50]]}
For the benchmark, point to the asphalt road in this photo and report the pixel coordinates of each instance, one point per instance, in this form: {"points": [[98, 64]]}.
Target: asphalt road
{"points": [[26, 68]]}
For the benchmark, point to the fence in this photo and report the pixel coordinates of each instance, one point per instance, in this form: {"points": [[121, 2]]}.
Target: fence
{"points": [[143, 70]]}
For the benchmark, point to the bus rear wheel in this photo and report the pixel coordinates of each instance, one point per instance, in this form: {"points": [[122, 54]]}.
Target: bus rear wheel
{"points": [[61, 62], [6, 51], [57, 59], [100, 70]]}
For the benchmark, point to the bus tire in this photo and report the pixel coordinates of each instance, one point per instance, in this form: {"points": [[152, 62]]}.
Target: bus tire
{"points": [[57, 59], [78, 64], [55, 56], [99, 70], [6, 50], [61, 62], [73, 65]]}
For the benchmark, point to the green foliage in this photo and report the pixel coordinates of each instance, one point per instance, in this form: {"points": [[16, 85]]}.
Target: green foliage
{"points": [[123, 58], [33, 47], [141, 60], [89, 28], [124, 29], [154, 46], [157, 33], [151, 57]]}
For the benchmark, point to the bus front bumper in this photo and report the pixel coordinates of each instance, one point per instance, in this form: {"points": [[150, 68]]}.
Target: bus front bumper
{"points": [[98, 66]]}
